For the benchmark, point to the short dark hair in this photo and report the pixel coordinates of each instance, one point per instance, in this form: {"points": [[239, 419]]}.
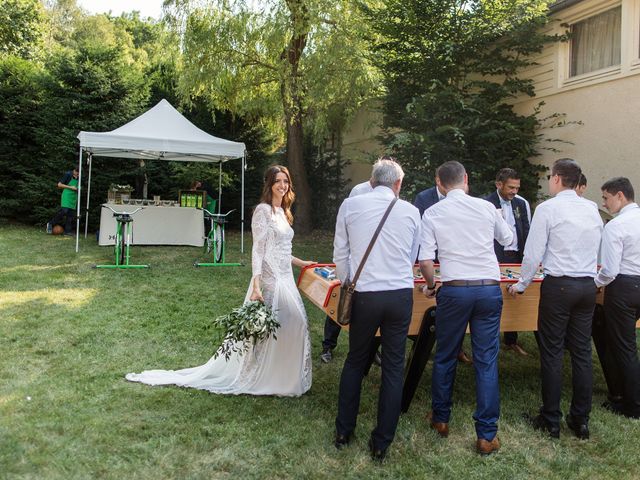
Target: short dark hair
{"points": [[583, 181], [450, 173], [619, 184], [568, 170], [507, 173]]}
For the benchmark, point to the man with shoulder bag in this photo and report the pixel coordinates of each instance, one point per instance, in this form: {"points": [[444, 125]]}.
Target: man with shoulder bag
{"points": [[375, 245]]}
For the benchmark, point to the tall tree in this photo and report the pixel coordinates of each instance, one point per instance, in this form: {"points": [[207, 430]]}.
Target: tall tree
{"points": [[21, 27], [263, 64], [452, 69]]}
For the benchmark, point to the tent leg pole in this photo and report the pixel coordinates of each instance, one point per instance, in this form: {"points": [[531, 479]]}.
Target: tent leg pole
{"points": [[86, 220], [244, 159], [78, 201], [219, 187]]}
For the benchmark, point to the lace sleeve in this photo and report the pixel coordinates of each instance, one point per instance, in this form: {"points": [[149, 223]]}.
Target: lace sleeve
{"points": [[259, 230]]}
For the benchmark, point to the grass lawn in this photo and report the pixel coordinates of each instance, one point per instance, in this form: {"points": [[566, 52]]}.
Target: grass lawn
{"points": [[69, 333]]}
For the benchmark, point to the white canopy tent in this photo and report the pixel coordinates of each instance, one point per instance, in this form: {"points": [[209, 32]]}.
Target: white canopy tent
{"points": [[160, 133]]}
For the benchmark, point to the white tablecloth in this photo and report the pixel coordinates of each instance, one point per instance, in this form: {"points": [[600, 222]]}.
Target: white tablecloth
{"points": [[156, 225]]}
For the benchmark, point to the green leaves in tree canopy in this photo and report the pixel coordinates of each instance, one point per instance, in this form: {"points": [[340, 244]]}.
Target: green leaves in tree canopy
{"points": [[451, 70]]}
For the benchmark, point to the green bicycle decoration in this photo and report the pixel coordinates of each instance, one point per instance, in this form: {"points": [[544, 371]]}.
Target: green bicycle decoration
{"points": [[123, 240], [214, 244]]}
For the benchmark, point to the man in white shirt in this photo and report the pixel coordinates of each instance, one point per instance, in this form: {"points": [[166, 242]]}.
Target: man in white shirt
{"points": [[565, 236], [364, 187], [383, 298], [462, 230], [620, 273], [331, 328]]}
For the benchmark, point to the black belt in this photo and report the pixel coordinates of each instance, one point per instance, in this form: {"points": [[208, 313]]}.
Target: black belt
{"points": [[470, 283], [511, 253]]}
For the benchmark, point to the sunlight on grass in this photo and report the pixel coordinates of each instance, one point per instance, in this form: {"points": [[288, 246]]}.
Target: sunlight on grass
{"points": [[35, 268], [71, 298]]}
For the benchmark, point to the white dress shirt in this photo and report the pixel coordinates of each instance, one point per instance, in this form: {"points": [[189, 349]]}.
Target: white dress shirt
{"points": [[390, 263], [462, 229], [565, 236], [510, 218], [526, 204], [364, 187], [620, 246]]}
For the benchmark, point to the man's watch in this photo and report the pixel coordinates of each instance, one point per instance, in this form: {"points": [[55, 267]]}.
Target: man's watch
{"points": [[431, 288]]}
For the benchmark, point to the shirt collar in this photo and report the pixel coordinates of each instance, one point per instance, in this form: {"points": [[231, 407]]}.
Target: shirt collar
{"points": [[502, 200], [457, 192], [384, 191], [626, 208], [567, 193]]}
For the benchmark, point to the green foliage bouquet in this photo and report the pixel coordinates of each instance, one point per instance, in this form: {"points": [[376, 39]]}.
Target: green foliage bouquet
{"points": [[245, 326]]}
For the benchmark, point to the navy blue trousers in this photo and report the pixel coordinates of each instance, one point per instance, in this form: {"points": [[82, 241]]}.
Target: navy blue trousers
{"points": [[480, 308], [390, 311]]}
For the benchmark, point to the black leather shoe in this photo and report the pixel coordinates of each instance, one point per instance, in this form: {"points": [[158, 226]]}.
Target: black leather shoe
{"points": [[613, 407], [618, 409], [580, 429], [540, 423], [326, 356], [342, 441], [377, 454]]}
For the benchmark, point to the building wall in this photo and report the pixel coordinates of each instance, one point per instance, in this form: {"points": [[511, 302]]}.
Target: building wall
{"points": [[606, 102], [360, 144]]}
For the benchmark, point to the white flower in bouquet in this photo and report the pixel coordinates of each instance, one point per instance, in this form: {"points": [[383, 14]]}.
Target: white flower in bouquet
{"points": [[245, 326]]}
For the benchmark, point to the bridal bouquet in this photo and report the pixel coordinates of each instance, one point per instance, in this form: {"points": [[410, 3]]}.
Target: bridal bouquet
{"points": [[245, 326]]}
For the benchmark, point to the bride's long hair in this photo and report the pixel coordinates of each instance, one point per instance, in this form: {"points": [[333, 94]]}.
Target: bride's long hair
{"points": [[267, 196]]}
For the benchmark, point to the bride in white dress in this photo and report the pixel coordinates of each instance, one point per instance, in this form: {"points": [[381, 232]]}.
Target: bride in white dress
{"points": [[272, 367]]}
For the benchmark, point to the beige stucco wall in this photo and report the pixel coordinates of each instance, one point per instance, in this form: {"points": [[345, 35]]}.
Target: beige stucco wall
{"points": [[359, 143]]}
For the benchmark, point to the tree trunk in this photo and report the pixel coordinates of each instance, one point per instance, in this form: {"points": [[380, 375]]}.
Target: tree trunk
{"points": [[295, 160], [291, 98]]}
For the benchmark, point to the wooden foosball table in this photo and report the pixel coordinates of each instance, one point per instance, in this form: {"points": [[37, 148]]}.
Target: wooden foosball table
{"points": [[518, 315]]}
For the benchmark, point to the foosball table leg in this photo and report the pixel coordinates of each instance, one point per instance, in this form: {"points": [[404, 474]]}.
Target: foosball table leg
{"points": [[419, 356]]}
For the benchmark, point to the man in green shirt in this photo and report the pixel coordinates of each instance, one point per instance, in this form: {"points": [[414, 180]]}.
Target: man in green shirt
{"points": [[66, 215]]}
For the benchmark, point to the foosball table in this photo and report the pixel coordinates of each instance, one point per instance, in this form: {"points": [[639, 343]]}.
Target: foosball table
{"points": [[318, 283]]}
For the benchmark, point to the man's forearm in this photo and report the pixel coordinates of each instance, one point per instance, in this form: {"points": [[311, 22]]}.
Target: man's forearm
{"points": [[428, 272]]}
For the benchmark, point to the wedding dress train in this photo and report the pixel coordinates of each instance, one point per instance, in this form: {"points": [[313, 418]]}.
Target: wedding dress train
{"points": [[271, 367]]}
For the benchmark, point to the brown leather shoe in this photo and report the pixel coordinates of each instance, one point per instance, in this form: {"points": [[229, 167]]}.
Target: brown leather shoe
{"points": [[486, 447], [440, 427], [517, 348], [462, 357]]}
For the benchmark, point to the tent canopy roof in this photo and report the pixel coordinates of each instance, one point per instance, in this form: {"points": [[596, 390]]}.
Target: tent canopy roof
{"points": [[161, 133]]}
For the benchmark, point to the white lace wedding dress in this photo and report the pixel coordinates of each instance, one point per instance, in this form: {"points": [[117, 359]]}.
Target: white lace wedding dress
{"points": [[273, 367]]}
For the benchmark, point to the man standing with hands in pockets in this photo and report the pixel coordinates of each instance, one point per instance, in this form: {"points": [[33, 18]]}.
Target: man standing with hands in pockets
{"points": [[462, 230], [565, 236]]}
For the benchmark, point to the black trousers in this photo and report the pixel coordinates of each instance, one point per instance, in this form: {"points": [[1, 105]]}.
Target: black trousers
{"points": [[390, 311], [565, 311], [331, 334], [622, 309], [67, 217]]}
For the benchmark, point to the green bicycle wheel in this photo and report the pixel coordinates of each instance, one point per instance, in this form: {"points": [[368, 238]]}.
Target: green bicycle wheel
{"points": [[208, 242], [218, 243], [122, 247]]}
